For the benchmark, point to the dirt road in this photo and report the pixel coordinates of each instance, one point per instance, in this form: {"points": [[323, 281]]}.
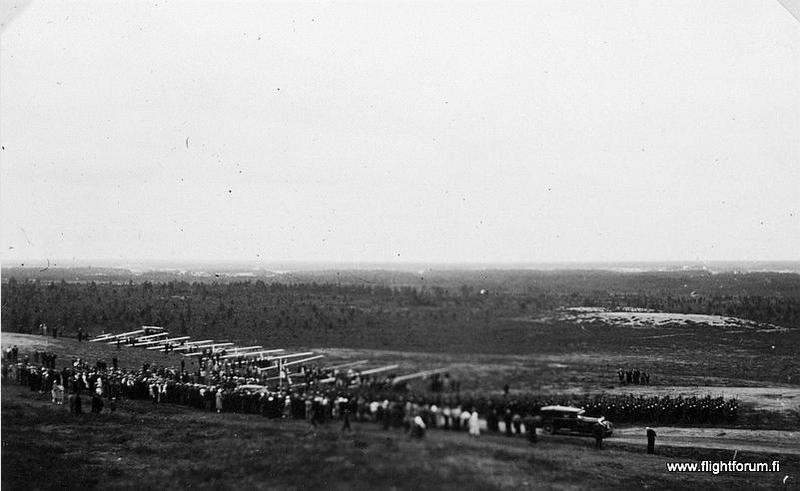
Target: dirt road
{"points": [[756, 441]]}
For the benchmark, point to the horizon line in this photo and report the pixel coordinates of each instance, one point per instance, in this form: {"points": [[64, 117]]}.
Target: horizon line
{"points": [[121, 263]]}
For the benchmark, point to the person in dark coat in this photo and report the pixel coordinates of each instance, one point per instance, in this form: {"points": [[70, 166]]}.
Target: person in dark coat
{"points": [[492, 420], [75, 403], [386, 420], [71, 401], [311, 414], [516, 421], [346, 419], [599, 433], [507, 418], [530, 428], [97, 403], [651, 440]]}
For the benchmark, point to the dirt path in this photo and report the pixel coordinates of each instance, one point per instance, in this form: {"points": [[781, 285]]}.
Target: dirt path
{"points": [[742, 440], [757, 441]]}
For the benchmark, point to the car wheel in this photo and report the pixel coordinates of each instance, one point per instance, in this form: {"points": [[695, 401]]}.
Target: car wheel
{"points": [[548, 428]]}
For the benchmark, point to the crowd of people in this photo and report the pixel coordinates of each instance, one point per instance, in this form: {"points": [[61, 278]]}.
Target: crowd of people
{"points": [[616, 408], [664, 409], [319, 405], [11, 354], [45, 358], [44, 330], [635, 376], [391, 406]]}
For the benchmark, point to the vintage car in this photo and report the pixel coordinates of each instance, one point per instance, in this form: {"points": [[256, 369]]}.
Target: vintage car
{"points": [[570, 420]]}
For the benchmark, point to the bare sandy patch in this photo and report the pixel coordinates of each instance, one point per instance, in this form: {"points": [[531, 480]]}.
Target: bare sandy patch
{"points": [[646, 319]]}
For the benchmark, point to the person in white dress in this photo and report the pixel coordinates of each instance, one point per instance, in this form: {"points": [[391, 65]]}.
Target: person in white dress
{"points": [[474, 424]]}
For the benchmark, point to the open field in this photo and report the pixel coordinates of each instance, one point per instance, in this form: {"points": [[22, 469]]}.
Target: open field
{"points": [[543, 335], [701, 328], [67, 348], [45, 447], [772, 406]]}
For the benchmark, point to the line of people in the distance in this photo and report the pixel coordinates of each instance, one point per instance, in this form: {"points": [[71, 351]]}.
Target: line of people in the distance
{"points": [[40, 357], [635, 376]]}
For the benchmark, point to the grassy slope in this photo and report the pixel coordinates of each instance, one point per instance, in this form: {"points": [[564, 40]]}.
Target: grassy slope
{"points": [[45, 447]]}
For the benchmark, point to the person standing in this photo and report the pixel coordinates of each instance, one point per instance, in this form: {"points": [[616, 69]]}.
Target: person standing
{"points": [[76, 404], [516, 422], [97, 403], [530, 428], [346, 418], [57, 392], [474, 423], [492, 420], [218, 400], [455, 413], [651, 440], [418, 428], [308, 413], [507, 418], [599, 433], [465, 417], [447, 414]]}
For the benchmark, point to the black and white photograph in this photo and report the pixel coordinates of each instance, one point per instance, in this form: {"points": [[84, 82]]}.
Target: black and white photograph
{"points": [[400, 244]]}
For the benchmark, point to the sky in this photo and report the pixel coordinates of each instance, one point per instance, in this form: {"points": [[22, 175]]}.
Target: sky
{"points": [[430, 131]]}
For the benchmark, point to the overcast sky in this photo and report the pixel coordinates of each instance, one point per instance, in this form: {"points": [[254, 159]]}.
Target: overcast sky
{"points": [[401, 131]]}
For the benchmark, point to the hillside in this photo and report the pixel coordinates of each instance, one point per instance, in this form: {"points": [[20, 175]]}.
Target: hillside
{"points": [[45, 447]]}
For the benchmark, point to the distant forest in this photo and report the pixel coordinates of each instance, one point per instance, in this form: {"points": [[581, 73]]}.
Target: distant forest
{"points": [[373, 308]]}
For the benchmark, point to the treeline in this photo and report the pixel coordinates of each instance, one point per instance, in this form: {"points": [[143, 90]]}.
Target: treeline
{"points": [[305, 312], [439, 317]]}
